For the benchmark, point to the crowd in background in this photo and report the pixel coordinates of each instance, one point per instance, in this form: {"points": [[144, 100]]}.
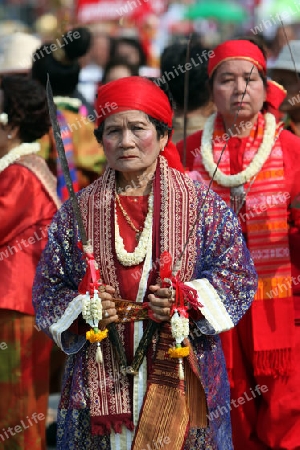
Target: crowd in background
{"points": [[77, 67]]}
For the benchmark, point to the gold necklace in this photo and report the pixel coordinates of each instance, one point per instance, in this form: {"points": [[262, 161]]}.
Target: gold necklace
{"points": [[138, 232]]}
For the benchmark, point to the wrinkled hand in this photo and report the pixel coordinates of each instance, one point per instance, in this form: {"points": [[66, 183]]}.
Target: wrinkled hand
{"points": [[109, 312], [160, 303]]}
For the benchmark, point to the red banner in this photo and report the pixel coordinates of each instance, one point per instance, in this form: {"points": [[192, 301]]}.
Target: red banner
{"points": [[105, 10]]}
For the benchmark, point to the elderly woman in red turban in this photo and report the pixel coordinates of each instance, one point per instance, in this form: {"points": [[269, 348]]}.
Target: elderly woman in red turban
{"points": [[174, 272], [258, 175]]}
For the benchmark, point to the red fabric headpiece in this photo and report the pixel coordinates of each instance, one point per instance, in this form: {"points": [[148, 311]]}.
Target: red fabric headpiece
{"points": [[140, 94], [133, 93], [275, 96], [239, 49]]}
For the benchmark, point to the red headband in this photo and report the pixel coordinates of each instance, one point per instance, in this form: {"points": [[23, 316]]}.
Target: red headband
{"points": [[133, 93], [239, 49]]}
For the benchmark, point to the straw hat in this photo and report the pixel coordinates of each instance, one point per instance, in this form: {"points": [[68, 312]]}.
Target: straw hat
{"points": [[16, 51], [285, 61]]}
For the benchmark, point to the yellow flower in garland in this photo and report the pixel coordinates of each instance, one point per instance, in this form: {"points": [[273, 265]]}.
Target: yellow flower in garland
{"points": [[95, 335], [178, 352]]}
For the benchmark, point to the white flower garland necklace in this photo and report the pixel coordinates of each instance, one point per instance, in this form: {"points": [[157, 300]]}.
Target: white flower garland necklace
{"points": [[132, 259], [255, 165], [17, 152]]}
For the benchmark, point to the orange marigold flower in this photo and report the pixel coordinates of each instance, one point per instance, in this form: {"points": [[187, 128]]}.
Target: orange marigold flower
{"points": [[178, 352], [97, 336]]}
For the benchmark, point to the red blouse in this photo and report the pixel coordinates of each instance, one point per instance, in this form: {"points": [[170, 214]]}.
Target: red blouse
{"points": [[136, 207], [26, 210]]}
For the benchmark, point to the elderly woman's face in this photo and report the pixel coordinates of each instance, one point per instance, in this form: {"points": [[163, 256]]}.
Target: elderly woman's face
{"points": [[130, 142], [229, 87]]}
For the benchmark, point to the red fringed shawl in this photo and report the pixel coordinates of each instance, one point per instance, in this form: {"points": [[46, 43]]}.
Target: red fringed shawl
{"points": [[110, 406]]}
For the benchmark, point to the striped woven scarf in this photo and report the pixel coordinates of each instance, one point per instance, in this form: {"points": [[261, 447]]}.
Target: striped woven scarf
{"points": [[111, 406], [265, 217]]}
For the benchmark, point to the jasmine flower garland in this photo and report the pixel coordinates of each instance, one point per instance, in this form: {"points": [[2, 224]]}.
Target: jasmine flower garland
{"points": [[139, 254], [254, 167], [17, 152]]}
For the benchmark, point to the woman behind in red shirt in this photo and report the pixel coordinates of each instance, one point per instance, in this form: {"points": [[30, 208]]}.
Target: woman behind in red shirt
{"points": [[259, 177], [28, 202]]}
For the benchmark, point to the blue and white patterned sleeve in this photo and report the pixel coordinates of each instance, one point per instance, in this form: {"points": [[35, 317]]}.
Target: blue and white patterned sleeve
{"points": [[55, 291]]}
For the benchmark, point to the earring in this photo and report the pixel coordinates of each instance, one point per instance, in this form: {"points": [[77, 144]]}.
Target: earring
{"points": [[161, 150], [9, 136]]}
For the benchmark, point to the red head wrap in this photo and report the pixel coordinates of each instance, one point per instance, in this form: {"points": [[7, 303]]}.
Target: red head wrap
{"points": [[246, 50], [138, 93], [133, 93], [239, 49], [275, 96]]}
